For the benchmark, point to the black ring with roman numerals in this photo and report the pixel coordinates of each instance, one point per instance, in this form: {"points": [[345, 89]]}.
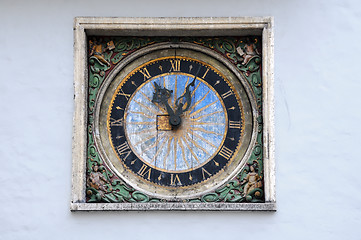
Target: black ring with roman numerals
{"points": [[183, 178]]}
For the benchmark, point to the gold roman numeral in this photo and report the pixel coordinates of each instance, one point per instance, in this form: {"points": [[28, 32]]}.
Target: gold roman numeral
{"points": [[175, 65], [226, 152], [205, 172], [145, 72], [174, 180], [123, 149], [234, 124], [126, 95], [145, 170], [205, 74], [227, 94], [116, 122]]}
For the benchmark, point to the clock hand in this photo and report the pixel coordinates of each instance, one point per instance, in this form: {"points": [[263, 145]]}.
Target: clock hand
{"points": [[187, 95], [161, 95]]}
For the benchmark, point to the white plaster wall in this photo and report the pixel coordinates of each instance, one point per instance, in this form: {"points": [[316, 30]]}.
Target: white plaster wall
{"points": [[318, 117]]}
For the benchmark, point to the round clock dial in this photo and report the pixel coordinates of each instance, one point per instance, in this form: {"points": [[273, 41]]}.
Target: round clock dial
{"points": [[174, 122], [180, 148]]}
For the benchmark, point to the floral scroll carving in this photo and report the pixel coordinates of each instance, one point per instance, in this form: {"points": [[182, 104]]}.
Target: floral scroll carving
{"points": [[103, 55]]}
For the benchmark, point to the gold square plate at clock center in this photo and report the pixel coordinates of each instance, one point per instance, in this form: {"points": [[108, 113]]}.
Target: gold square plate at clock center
{"points": [[163, 123]]}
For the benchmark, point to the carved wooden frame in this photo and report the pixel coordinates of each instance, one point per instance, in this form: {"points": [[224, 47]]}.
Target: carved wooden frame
{"points": [[84, 26]]}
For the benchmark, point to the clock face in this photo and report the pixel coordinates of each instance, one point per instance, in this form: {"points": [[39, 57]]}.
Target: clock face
{"points": [[174, 122]]}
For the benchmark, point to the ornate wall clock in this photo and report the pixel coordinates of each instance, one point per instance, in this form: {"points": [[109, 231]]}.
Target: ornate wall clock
{"points": [[173, 119]]}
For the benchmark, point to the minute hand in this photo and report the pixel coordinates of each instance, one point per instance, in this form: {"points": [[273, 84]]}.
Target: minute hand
{"points": [[187, 96]]}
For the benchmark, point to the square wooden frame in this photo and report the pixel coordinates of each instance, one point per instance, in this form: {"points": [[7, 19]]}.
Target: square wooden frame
{"points": [[233, 26]]}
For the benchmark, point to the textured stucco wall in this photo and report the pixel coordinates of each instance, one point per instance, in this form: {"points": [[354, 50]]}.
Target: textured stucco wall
{"points": [[317, 85]]}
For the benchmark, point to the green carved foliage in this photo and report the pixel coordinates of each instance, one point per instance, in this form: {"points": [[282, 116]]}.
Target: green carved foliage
{"points": [[102, 185], [244, 52]]}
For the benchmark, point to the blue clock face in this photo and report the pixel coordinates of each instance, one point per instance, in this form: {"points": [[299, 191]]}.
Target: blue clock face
{"points": [[186, 147], [175, 122]]}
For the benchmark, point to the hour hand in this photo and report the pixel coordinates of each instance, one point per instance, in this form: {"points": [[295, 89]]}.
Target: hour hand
{"points": [[161, 95]]}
